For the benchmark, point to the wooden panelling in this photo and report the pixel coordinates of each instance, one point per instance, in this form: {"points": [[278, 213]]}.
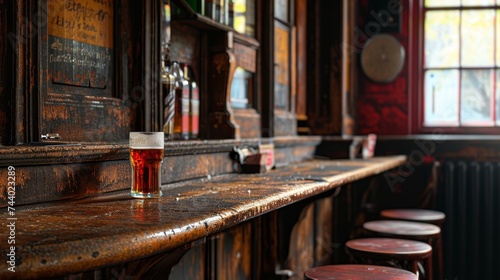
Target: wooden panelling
{"points": [[233, 256], [324, 58], [246, 118], [192, 265], [305, 236], [185, 46], [323, 238], [301, 19], [246, 57], [301, 246], [6, 106], [221, 122]]}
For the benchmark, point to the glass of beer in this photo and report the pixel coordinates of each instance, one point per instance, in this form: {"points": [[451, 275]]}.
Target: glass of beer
{"points": [[146, 156]]}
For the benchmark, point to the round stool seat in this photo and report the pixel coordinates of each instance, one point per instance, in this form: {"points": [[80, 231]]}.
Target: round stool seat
{"points": [[401, 253], [358, 271], [417, 215], [425, 232], [403, 228], [390, 247]]}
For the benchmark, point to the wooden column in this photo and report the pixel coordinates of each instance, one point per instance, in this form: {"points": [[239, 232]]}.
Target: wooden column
{"points": [[349, 52]]}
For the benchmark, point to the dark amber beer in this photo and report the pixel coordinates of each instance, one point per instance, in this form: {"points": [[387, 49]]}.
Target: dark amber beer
{"points": [[146, 156]]}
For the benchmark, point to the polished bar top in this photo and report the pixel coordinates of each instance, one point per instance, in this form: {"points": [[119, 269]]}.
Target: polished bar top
{"points": [[79, 235]]}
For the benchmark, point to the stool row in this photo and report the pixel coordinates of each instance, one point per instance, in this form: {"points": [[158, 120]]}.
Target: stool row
{"points": [[406, 245]]}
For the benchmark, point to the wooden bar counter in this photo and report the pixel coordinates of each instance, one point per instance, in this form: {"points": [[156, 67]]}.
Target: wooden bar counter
{"points": [[53, 240]]}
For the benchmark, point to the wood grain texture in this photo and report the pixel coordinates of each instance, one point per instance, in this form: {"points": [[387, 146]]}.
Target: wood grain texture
{"points": [[234, 256], [193, 263], [5, 74], [84, 234], [301, 246], [323, 243]]}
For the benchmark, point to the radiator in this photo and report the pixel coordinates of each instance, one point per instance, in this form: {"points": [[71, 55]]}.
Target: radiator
{"points": [[469, 194]]}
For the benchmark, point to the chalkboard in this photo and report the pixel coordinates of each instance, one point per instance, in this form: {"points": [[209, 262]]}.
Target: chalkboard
{"points": [[80, 42]]}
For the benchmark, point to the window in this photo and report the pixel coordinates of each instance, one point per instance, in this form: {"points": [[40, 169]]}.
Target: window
{"points": [[241, 88], [461, 64]]}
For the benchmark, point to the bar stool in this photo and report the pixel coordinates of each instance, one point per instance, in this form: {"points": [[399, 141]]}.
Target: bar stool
{"points": [[429, 233], [381, 251], [425, 216], [415, 215], [358, 271]]}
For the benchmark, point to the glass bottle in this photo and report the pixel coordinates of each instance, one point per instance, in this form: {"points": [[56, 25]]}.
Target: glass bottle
{"points": [[181, 115], [224, 12], [166, 78], [230, 9], [198, 6], [211, 9], [168, 95], [194, 102]]}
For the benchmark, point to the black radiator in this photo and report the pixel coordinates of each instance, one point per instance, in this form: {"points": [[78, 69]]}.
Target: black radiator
{"points": [[469, 194]]}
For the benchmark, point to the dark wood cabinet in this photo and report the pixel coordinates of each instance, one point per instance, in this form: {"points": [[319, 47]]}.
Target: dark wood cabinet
{"points": [[68, 79], [228, 61], [71, 71]]}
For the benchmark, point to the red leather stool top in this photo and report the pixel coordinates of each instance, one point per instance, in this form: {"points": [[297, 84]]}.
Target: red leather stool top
{"points": [[397, 248], [358, 271], [417, 215], [403, 228]]}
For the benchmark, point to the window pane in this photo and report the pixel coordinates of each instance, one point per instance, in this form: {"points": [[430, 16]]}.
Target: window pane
{"points": [[441, 38], [441, 97], [498, 95], [281, 10], [478, 27], [240, 9], [478, 2], [498, 37], [241, 88], [282, 67], [442, 3], [475, 102], [250, 18]]}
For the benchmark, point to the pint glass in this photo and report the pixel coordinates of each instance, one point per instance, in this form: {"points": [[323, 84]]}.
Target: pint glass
{"points": [[146, 156]]}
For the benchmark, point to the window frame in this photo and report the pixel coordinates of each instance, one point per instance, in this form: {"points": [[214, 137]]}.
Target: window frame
{"points": [[417, 71]]}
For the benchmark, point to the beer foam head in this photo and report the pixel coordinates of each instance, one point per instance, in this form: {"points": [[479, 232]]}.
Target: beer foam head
{"points": [[146, 140]]}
